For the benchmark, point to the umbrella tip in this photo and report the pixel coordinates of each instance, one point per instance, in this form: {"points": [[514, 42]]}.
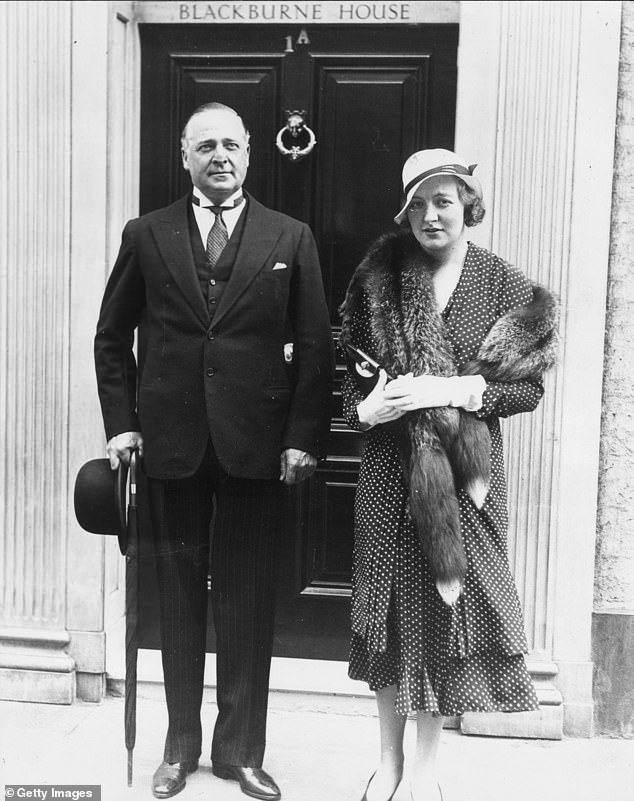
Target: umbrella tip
{"points": [[129, 767]]}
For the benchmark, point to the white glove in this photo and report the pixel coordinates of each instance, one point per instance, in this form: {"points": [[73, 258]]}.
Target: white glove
{"points": [[120, 447], [411, 392], [466, 391], [376, 409]]}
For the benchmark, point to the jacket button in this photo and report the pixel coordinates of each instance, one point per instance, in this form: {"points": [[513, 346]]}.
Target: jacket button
{"points": [[211, 371], [211, 334], [212, 282]]}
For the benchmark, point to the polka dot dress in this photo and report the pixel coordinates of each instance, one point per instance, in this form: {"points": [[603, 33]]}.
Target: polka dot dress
{"points": [[446, 660]]}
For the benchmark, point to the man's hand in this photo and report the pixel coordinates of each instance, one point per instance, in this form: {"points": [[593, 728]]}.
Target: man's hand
{"points": [[120, 447], [296, 465], [376, 408]]}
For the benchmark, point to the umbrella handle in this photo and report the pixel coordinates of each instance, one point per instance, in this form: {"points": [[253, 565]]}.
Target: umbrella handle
{"points": [[134, 456], [121, 486], [120, 493]]}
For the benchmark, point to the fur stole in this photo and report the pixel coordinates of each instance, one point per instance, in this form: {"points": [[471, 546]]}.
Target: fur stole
{"points": [[443, 449]]}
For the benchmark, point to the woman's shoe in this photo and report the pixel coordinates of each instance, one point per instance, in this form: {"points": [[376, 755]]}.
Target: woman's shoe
{"points": [[365, 795], [367, 787], [411, 793]]}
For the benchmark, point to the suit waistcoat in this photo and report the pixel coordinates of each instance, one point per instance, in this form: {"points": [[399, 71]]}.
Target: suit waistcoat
{"points": [[213, 282]]}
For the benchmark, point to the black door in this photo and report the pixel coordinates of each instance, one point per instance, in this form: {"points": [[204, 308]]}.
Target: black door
{"points": [[372, 95]]}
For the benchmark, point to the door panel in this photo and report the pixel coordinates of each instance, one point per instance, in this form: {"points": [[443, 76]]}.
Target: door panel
{"points": [[372, 95], [366, 109]]}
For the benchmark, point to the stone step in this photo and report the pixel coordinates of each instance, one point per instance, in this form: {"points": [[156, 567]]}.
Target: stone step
{"points": [[546, 723]]}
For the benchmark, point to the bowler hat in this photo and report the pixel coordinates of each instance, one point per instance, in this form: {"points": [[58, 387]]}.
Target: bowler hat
{"points": [[100, 499], [426, 164]]}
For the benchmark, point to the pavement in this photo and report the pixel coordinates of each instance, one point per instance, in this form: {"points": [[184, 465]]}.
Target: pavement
{"points": [[320, 748]]}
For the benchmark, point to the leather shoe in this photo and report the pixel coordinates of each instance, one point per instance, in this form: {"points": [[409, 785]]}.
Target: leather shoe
{"points": [[169, 778], [253, 781]]}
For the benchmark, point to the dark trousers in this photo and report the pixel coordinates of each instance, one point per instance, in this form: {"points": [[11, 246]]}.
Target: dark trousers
{"points": [[244, 557]]}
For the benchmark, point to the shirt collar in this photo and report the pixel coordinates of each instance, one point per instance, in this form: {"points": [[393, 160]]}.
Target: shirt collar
{"points": [[226, 203]]}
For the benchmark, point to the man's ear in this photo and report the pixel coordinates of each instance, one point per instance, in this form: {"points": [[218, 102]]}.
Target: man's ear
{"points": [[184, 158]]}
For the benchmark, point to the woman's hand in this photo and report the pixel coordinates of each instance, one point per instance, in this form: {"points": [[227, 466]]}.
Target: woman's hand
{"points": [[409, 392], [376, 408]]}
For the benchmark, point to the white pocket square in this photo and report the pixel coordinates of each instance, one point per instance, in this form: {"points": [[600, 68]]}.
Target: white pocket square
{"points": [[279, 265]]}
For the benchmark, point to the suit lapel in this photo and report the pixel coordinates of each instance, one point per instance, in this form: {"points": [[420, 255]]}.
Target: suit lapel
{"points": [[171, 232], [258, 240]]}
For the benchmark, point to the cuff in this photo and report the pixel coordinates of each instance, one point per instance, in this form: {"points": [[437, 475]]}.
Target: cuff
{"points": [[466, 392]]}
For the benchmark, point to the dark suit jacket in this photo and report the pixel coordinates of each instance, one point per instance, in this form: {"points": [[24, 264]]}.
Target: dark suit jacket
{"points": [[226, 378]]}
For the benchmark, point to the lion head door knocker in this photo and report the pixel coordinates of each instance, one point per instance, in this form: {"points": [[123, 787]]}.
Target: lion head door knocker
{"points": [[295, 140]]}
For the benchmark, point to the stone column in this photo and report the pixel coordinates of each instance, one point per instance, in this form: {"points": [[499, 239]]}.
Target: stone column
{"points": [[533, 113], [35, 94], [66, 182]]}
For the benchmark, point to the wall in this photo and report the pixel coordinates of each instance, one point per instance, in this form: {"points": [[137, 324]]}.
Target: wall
{"points": [[70, 144], [75, 108], [613, 619]]}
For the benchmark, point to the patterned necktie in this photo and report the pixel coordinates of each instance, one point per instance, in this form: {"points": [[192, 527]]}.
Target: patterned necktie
{"points": [[217, 237]]}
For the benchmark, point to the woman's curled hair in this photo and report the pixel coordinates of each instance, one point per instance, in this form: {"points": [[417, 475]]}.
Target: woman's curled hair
{"points": [[474, 210]]}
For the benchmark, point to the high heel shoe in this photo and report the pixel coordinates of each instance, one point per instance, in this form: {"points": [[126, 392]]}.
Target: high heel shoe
{"points": [[367, 787], [410, 793]]}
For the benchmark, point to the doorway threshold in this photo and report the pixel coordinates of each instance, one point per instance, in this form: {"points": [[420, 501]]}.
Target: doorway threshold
{"points": [[287, 675]]}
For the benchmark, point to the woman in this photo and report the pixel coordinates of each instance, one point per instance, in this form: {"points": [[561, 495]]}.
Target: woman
{"points": [[462, 339]]}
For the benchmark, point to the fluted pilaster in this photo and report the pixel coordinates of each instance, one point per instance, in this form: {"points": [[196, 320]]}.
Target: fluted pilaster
{"points": [[531, 228], [35, 42], [536, 108]]}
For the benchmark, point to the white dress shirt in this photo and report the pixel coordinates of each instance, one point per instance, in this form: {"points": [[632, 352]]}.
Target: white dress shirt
{"points": [[205, 218]]}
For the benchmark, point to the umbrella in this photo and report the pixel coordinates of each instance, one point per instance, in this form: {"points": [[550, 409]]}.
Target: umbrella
{"points": [[132, 612], [101, 497]]}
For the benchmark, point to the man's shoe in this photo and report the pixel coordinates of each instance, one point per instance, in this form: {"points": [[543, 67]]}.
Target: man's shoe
{"points": [[253, 781], [169, 779]]}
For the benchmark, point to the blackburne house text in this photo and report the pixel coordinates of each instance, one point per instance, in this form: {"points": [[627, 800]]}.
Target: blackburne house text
{"points": [[294, 12]]}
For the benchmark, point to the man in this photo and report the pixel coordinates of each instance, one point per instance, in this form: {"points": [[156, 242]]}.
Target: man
{"points": [[229, 401]]}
